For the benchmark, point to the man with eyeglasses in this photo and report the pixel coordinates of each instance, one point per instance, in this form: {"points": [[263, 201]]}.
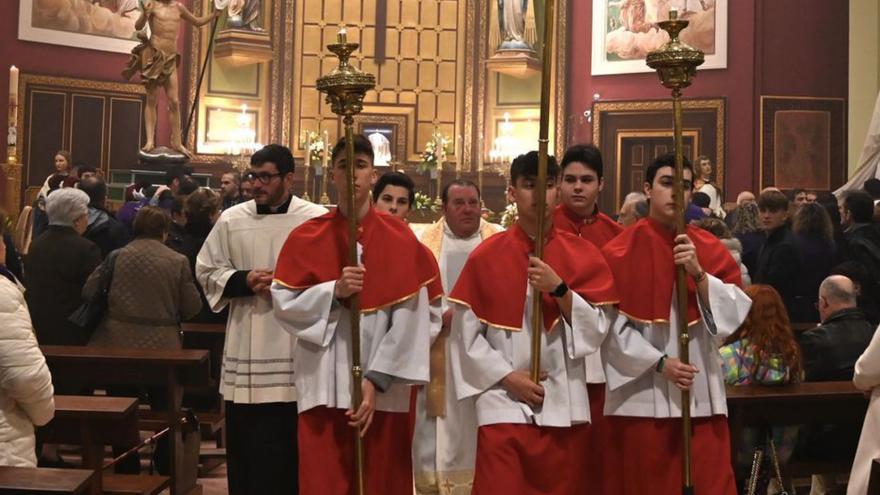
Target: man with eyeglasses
{"points": [[235, 268], [399, 287]]}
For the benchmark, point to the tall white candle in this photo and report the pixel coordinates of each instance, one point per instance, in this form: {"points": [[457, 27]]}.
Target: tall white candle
{"points": [[13, 83]]}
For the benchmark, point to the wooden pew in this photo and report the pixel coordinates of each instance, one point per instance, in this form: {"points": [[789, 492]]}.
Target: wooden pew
{"points": [[96, 421], [797, 404], [171, 369], [92, 422], [48, 481], [209, 404]]}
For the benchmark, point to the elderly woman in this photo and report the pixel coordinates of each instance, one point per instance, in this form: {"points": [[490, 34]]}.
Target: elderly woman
{"points": [[57, 266], [151, 292], [201, 210], [26, 394]]}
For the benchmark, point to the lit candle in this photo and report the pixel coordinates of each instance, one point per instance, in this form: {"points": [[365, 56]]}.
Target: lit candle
{"points": [[327, 145], [457, 155], [13, 84], [341, 36], [308, 152]]}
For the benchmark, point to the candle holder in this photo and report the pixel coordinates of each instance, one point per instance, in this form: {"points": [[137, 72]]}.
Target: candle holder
{"points": [[676, 65], [345, 87]]}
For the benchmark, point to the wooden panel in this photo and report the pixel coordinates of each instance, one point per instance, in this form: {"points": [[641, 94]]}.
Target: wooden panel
{"points": [[87, 129], [101, 123], [704, 119], [45, 134], [421, 68], [126, 117]]}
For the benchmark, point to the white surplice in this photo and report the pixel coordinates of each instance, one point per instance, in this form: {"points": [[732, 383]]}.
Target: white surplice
{"points": [[395, 341], [257, 364], [445, 448], [633, 348], [482, 355]]}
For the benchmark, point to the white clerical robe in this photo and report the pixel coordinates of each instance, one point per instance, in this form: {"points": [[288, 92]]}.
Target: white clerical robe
{"points": [[257, 364], [395, 342], [445, 447], [633, 348], [482, 355]]}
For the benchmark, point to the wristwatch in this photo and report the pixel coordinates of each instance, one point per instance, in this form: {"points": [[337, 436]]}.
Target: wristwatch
{"points": [[560, 290]]}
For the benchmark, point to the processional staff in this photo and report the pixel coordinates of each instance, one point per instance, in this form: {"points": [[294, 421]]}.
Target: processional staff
{"points": [[676, 64], [345, 87], [541, 185]]}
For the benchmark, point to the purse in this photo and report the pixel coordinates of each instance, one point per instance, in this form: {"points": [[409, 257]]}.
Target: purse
{"points": [[89, 315], [759, 479]]}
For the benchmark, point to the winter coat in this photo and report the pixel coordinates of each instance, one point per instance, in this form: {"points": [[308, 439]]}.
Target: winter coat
{"points": [[26, 393]]}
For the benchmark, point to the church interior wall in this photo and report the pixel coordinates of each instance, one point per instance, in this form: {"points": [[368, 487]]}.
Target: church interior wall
{"points": [[864, 73], [65, 61], [785, 47]]}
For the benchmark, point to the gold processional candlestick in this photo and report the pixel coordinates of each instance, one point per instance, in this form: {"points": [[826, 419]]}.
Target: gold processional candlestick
{"points": [[676, 64], [345, 87], [541, 185]]}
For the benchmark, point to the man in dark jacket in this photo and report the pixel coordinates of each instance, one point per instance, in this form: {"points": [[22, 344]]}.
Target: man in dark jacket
{"points": [[830, 352], [778, 261], [861, 238], [56, 268], [104, 229], [831, 349]]}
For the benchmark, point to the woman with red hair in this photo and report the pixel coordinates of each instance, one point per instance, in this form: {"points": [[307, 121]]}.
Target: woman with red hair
{"points": [[763, 351]]}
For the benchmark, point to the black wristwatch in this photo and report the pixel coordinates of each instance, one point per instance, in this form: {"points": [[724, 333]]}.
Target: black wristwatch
{"points": [[560, 290]]}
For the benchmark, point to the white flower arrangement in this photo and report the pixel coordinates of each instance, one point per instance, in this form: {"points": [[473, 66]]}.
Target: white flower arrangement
{"points": [[434, 155], [424, 203], [316, 149], [508, 218]]}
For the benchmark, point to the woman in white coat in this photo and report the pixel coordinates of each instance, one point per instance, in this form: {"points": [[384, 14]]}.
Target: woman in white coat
{"points": [[867, 378], [26, 393]]}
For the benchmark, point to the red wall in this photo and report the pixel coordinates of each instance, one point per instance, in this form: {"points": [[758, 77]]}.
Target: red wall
{"points": [[804, 48], [783, 47], [57, 60]]}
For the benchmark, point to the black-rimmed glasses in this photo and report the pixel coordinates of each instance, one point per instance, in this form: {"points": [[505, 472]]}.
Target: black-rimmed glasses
{"points": [[263, 177]]}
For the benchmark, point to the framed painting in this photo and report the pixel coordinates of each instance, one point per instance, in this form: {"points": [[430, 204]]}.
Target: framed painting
{"points": [[106, 25], [630, 134], [625, 31], [803, 142], [387, 134]]}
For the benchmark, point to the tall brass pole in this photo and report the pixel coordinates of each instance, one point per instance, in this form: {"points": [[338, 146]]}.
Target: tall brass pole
{"points": [[345, 87], [676, 64], [541, 186]]}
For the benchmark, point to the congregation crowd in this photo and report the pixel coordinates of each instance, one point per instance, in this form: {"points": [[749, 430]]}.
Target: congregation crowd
{"points": [[809, 261]]}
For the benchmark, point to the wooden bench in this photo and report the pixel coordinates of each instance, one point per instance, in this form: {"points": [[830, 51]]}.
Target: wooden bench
{"points": [[93, 422], [48, 481], [797, 404], [171, 369], [208, 403], [131, 484]]}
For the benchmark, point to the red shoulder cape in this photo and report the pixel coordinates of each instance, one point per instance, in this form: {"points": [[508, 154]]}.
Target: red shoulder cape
{"points": [[598, 229], [397, 264], [493, 281], [641, 259]]}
